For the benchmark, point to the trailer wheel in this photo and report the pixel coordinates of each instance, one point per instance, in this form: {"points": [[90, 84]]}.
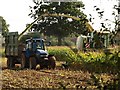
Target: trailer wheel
{"points": [[23, 61], [10, 63], [52, 62], [32, 63]]}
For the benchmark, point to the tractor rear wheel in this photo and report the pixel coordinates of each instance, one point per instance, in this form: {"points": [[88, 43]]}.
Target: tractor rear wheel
{"points": [[52, 62], [24, 63], [32, 63], [10, 63]]}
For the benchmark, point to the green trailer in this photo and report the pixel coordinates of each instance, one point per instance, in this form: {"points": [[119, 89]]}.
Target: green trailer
{"points": [[11, 44], [11, 49]]}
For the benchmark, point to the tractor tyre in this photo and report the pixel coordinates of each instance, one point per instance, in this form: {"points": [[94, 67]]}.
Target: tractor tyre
{"points": [[32, 63], [10, 63], [24, 63], [52, 62], [44, 64]]}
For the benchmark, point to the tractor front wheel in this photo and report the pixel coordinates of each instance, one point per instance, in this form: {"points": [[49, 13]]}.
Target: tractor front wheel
{"points": [[32, 63], [24, 63], [52, 62]]}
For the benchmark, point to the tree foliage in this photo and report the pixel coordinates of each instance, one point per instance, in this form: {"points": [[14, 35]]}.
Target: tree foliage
{"points": [[28, 35], [59, 26], [106, 24], [3, 25]]}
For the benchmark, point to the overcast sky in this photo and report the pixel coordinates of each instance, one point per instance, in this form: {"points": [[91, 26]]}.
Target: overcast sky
{"points": [[15, 12], [106, 6]]}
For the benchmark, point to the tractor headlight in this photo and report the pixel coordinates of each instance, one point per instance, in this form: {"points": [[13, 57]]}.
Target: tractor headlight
{"points": [[43, 55]]}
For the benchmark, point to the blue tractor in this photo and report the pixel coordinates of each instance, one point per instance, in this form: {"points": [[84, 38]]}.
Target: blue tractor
{"points": [[29, 55]]}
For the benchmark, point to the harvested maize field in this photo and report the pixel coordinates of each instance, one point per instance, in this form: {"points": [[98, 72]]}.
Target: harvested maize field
{"points": [[53, 79], [59, 78]]}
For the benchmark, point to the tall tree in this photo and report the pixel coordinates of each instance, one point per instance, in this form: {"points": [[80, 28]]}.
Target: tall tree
{"points": [[3, 26], [59, 26]]}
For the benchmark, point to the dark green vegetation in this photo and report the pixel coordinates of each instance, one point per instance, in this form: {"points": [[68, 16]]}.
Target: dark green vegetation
{"points": [[3, 25], [98, 59]]}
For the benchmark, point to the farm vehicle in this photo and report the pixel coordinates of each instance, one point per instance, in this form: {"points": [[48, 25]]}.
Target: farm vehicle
{"points": [[29, 54], [33, 51]]}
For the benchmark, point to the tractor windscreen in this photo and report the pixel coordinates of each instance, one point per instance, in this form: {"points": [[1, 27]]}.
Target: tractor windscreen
{"points": [[35, 44], [40, 44]]}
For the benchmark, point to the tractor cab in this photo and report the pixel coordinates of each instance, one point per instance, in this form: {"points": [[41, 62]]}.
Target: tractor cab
{"points": [[36, 47], [35, 43]]}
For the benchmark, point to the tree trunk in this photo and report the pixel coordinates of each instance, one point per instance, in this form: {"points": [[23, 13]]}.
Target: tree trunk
{"points": [[59, 41]]}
